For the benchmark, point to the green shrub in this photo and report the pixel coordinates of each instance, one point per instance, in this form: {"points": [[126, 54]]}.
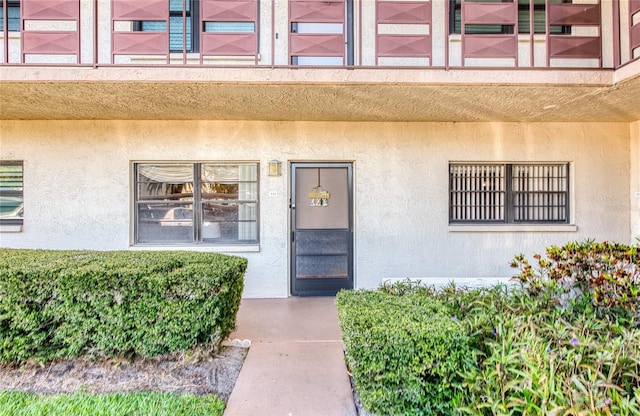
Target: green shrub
{"points": [[608, 274], [536, 358], [71, 303], [544, 349], [405, 352]]}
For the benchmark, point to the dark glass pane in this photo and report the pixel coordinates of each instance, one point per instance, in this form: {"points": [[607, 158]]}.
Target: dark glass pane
{"points": [[165, 223], [539, 17], [229, 173], [10, 178], [488, 29], [176, 5], [165, 182], [11, 199], [230, 221], [229, 27], [153, 26], [322, 242], [220, 191], [322, 267], [176, 33], [13, 18]]}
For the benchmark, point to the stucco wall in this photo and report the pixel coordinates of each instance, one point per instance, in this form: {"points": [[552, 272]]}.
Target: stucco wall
{"points": [[77, 186], [635, 181]]}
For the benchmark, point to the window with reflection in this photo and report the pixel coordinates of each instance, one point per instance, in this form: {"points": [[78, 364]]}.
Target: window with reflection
{"points": [[11, 198], [11, 15], [182, 16], [196, 203], [525, 9]]}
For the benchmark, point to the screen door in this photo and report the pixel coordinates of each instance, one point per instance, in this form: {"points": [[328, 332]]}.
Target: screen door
{"points": [[321, 228]]}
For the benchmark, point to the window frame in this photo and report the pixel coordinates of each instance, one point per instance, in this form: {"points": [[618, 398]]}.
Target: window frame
{"points": [[192, 14], [510, 203], [455, 7], [196, 202], [16, 220], [11, 4]]}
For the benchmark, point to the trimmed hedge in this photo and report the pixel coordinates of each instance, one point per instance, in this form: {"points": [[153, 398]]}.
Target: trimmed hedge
{"points": [[72, 303], [406, 352]]}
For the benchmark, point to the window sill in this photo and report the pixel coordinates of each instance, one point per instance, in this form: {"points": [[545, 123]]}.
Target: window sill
{"points": [[511, 228], [10, 228], [240, 248]]}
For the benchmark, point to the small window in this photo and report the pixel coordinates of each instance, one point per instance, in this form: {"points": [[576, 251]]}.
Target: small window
{"points": [[196, 203], [11, 198], [524, 19], [509, 193], [229, 27], [181, 26], [12, 16]]}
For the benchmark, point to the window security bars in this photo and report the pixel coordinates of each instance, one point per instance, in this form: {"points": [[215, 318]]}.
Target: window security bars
{"points": [[509, 193]]}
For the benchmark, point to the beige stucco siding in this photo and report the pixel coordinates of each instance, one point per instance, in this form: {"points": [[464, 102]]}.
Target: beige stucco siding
{"points": [[77, 186], [635, 181]]}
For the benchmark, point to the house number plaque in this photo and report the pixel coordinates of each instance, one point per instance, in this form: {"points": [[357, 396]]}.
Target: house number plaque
{"points": [[319, 198]]}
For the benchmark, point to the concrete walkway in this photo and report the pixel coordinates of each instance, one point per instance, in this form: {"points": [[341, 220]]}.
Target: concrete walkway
{"points": [[295, 366]]}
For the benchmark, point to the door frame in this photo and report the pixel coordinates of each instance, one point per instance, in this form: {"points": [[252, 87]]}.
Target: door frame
{"points": [[316, 286]]}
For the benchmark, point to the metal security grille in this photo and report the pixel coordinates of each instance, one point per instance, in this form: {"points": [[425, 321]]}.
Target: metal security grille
{"points": [[477, 193], [540, 193], [509, 193]]}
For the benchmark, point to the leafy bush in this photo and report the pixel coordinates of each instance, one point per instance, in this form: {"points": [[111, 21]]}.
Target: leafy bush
{"points": [[405, 352], [537, 358], [607, 273], [70, 303], [565, 342]]}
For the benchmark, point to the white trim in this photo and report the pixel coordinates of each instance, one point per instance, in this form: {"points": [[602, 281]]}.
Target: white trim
{"points": [[512, 228], [440, 282], [240, 248], [11, 228]]}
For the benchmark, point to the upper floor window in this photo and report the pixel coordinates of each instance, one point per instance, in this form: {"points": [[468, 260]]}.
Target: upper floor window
{"points": [[196, 203], [182, 30], [524, 19], [11, 198], [509, 193], [12, 16]]}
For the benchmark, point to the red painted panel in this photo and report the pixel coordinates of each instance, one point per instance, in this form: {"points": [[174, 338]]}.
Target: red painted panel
{"points": [[490, 46], [51, 9], [229, 11], [404, 12], [635, 36], [490, 13], [634, 31], [50, 42], [229, 44], [404, 46], [317, 11], [574, 14], [316, 45], [141, 43], [583, 47], [140, 9]]}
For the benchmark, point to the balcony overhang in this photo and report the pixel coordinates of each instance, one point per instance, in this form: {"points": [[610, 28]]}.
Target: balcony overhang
{"points": [[313, 94]]}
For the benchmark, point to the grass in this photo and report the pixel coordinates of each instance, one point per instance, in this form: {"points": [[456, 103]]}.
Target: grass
{"points": [[119, 404]]}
